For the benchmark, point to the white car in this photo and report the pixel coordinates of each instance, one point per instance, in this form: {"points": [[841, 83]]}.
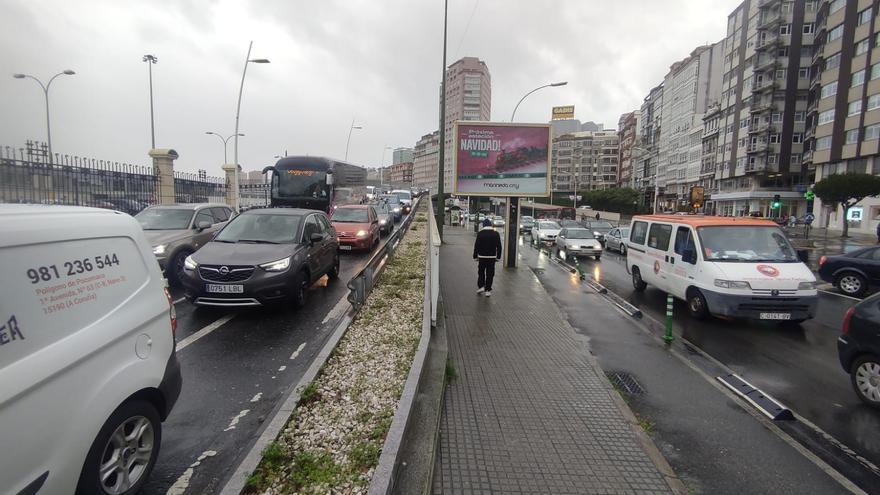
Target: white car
{"points": [[88, 369], [577, 242], [545, 231], [616, 239], [498, 222]]}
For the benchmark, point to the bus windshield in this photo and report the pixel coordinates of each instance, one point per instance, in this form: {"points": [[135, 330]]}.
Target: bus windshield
{"points": [[746, 244], [302, 183]]}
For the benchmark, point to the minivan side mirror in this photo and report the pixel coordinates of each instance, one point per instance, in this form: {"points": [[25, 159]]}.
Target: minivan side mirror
{"points": [[203, 224], [316, 237]]}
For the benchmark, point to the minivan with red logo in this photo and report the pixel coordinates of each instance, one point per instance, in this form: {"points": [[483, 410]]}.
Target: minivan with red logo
{"points": [[729, 267]]}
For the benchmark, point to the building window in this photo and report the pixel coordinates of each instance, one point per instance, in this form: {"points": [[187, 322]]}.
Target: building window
{"points": [[774, 138], [874, 101], [808, 28], [787, 6], [785, 29], [782, 52], [833, 61], [780, 73], [833, 34], [875, 71], [854, 108], [835, 6], [852, 136], [811, 5], [865, 16], [804, 73], [776, 117], [858, 78], [826, 116], [862, 46], [797, 138], [872, 132], [829, 89], [773, 159], [800, 117], [795, 159]]}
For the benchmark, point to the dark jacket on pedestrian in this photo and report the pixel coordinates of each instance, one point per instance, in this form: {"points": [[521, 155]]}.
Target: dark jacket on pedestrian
{"points": [[488, 244]]}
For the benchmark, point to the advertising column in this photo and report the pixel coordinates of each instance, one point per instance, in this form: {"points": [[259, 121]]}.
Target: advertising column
{"points": [[501, 159]]}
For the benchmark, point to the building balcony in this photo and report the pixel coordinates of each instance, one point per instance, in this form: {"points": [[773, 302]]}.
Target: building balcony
{"points": [[768, 85], [768, 4], [770, 23], [765, 63], [770, 43], [759, 127], [757, 148], [762, 107]]}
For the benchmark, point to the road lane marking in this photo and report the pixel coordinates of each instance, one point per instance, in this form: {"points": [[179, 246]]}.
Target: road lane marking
{"points": [[839, 295], [179, 299], [297, 351], [337, 310], [204, 331], [282, 368], [257, 397], [182, 483], [236, 419]]}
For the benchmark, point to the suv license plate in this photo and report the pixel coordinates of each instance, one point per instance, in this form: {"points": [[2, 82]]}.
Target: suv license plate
{"points": [[225, 289], [775, 316], [344, 247]]}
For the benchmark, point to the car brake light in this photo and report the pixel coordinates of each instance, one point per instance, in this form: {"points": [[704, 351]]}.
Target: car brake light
{"points": [[847, 318], [822, 260], [172, 313]]}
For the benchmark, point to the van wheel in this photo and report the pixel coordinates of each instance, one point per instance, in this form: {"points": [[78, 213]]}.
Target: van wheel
{"points": [[174, 270], [124, 452], [852, 284], [301, 285], [697, 306], [638, 284], [333, 274]]}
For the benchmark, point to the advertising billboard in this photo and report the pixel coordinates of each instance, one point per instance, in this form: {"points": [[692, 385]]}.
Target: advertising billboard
{"points": [[566, 112], [500, 159]]}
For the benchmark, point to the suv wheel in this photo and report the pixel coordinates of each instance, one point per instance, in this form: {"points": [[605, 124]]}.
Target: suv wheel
{"points": [[852, 284], [174, 270], [300, 286], [865, 375], [333, 274], [124, 452]]}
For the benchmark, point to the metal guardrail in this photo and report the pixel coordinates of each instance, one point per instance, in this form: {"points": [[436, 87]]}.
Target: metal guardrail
{"points": [[434, 241], [363, 282]]}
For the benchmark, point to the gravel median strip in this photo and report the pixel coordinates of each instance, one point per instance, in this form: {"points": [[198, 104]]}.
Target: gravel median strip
{"points": [[334, 438]]}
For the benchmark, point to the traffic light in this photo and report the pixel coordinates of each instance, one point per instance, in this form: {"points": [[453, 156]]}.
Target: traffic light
{"points": [[809, 195], [777, 202]]}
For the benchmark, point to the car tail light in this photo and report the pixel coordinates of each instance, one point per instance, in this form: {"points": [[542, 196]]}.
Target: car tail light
{"points": [[847, 318], [172, 313], [822, 260]]}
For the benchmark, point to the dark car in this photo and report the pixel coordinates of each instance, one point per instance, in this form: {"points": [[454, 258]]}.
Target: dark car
{"points": [[263, 256], [600, 228], [853, 273], [859, 349], [386, 218], [571, 224], [394, 204]]}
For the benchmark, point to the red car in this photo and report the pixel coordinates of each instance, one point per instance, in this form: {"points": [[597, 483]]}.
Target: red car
{"points": [[357, 227]]}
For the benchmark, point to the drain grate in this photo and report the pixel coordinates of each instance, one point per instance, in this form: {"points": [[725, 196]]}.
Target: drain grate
{"points": [[625, 382]]}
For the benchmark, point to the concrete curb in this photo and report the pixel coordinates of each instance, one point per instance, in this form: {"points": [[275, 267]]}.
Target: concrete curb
{"points": [[279, 419], [383, 477]]}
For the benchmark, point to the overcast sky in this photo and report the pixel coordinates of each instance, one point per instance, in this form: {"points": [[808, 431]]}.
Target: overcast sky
{"points": [[375, 61]]}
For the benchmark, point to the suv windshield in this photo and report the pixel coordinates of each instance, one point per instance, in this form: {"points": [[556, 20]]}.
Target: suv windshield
{"points": [[262, 228], [164, 219], [579, 234], [746, 244], [350, 215]]}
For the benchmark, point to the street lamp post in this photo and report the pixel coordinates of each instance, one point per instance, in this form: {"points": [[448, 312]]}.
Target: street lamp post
{"points": [[151, 60], [554, 85], [441, 164], [247, 60], [46, 87], [348, 141], [224, 139]]}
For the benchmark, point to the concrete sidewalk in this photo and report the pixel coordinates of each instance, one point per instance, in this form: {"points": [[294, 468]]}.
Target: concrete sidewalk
{"points": [[529, 410]]}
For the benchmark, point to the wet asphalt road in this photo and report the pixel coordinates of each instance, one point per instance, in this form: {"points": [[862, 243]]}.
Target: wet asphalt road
{"points": [[235, 376], [797, 365]]}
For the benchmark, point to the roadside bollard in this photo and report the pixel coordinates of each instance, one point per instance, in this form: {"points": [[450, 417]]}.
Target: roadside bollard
{"points": [[668, 338], [580, 271]]}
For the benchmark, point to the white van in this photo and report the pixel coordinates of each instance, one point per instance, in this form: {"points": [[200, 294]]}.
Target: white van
{"points": [[87, 354], [730, 267], [404, 195]]}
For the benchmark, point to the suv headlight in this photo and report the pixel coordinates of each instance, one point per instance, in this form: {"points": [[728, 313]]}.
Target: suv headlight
{"points": [[277, 266], [383, 222], [189, 263], [807, 286], [397, 210], [361, 233], [160, 249], [732, 284]]}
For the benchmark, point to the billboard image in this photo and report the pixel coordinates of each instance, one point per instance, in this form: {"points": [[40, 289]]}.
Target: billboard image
{"points": [[566, 112], [494, 159]]}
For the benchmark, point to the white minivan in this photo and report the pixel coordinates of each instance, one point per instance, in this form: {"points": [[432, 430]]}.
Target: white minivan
{"points": [[87, 355], [729, 267]]}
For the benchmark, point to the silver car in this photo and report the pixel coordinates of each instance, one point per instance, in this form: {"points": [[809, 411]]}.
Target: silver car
{"points": [[616, 239], [545, 231], [575, 242], [177, 231]]}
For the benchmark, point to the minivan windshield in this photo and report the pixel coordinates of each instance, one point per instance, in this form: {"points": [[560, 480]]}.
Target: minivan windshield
{"points": [[746, 243], [261, 229], [164, 218], [350, 215]]}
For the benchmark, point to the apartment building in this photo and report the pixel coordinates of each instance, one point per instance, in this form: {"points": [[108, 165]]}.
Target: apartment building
{"points": [[426, 157], [844, 104], [647, 152], [401, 174], [468, 97], [402, 155], [709, 154], [628, 126], [584, 161], [768, 54]]}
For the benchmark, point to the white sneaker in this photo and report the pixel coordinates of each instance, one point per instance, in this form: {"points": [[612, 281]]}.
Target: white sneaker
{"points": [[488, 293], [481, 290]]}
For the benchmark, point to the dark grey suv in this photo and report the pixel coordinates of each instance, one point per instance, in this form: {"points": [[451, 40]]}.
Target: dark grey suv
{"points": [[262, 257]]}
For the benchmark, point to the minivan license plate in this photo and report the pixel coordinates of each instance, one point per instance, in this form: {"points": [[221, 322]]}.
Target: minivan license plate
{"points": [[225, 289], [775, 316]]}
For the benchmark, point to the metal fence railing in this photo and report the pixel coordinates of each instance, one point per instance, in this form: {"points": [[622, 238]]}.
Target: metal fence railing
{"points": [[199, 188], [434, 241], [363, 282]]}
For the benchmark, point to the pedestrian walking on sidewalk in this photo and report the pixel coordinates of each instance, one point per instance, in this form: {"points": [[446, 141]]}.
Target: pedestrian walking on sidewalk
{"points": [[487, 250]]}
